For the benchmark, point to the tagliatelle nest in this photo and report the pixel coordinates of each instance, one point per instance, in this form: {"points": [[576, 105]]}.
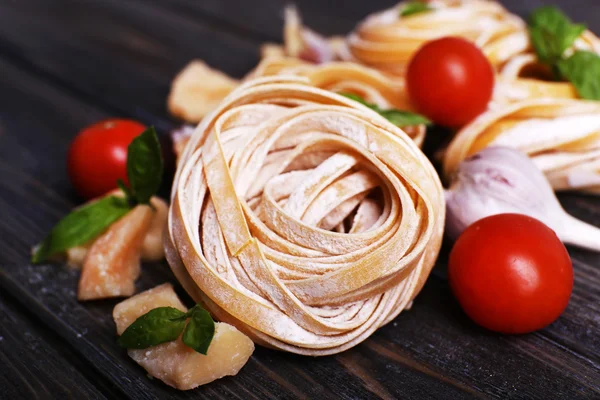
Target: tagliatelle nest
{"points": [[387, 41], [523, 77], [562, 137], [302, 217]]}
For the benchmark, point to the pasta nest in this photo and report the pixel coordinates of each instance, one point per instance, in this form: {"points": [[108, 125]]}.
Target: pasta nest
{"points": [[302, 217]]}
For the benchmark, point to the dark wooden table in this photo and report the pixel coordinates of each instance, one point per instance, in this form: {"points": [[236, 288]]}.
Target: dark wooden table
{"points": [[67, 63]]}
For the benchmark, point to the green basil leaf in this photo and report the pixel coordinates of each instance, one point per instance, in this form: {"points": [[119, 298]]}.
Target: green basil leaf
{"points": [[200, 330], [404, 118], [552, 33], [397, 117], [414, 7], [80, 226], [356, 97], [582, 69], [160, 325], [145, 165], [128, 193]]}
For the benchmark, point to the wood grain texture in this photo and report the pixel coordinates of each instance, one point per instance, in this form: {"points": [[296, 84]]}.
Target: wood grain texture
{"points": [[41, 367], [67, 63], [264, 18]]}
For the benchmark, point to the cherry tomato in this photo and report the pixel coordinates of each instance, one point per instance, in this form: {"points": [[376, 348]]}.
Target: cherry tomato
{"points": [[450, 81], [511, 273], [98, 156]]}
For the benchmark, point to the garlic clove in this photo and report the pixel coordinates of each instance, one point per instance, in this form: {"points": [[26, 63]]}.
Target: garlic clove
{"points": [[502, 180], [578, 233], [305, 44]]}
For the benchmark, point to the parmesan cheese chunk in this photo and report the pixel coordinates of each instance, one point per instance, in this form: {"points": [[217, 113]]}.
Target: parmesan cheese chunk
{"points": [[174, 363]]}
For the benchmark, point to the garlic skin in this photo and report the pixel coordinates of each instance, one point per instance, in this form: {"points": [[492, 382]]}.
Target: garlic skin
{"points": [[502, 180]]}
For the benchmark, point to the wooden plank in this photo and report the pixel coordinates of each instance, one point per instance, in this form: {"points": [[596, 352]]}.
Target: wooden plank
{"points": [[36, 365], [122, 56], [525, 366], [473, 361], [579, 329], [81, 61], [265, 18], [149, 42]]}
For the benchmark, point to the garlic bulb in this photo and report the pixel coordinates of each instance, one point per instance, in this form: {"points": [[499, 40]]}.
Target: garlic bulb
{"points": [[502, 180]]}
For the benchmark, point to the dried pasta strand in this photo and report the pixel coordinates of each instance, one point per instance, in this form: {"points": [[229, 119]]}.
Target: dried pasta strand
{"points": [[562, 137]]}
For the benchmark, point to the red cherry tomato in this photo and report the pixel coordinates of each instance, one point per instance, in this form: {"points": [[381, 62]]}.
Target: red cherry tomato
{"points": [[98, 156], [450, 81], [511, 273]]}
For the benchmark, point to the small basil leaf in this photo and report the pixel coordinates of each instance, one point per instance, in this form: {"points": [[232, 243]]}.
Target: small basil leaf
{"points": [[582, 69], [414, 7], [199, 331], [145, 165], [128, 193], [157, 326], [404, 118], [357, 98], [397, 117], [80, 226], [552, 33]]}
